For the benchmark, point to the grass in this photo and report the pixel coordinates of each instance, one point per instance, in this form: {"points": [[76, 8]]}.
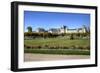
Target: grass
{"points": [[58, 51], [57, 42], [58, 46]]}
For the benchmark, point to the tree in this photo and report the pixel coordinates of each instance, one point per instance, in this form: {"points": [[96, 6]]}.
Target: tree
{"points": [[71, 37], [64, 29], [29, 29]]}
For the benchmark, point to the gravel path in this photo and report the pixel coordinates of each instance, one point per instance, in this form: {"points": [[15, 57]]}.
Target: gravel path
{"points": [[48, 57]]}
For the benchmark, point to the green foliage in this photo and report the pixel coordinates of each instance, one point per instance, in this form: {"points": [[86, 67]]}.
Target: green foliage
{"points": [[42, 35], [54, 35], [29, 29], [71, 37]]}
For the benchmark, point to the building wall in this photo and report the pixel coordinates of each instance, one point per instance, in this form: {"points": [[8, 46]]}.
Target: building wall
{"points": [[61, 30], [83, 30], [71, 31]]}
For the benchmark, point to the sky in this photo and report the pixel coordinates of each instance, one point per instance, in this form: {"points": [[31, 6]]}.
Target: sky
{"points": [[49, 20]]}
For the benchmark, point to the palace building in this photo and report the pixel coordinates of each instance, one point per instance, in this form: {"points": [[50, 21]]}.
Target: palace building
{"points": [[63, 29]]}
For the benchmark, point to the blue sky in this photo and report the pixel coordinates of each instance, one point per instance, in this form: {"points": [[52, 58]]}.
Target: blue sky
{"points": [[49, 20]]}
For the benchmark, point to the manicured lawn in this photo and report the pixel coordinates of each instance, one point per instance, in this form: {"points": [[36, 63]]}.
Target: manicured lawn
{"points": [[57, 42], [58, 51], [63, 46]]}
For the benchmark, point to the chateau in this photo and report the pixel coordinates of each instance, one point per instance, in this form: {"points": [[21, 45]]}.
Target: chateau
{"points": [[63, 29]]}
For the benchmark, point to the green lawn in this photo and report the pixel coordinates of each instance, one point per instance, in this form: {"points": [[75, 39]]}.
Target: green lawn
{"points": [[58, 51], [57, 42]]}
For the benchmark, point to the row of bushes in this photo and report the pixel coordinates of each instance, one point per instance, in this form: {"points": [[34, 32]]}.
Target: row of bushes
{"points": [[46, 34], [50, 35], [57, 47]]}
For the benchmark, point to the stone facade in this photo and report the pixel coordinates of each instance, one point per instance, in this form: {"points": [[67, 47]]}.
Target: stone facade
{"points": [[63, 29]]}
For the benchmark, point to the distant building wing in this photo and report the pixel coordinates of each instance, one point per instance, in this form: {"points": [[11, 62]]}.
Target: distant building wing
{"points": [[40, 30], [54, 30], [63, 29]]}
